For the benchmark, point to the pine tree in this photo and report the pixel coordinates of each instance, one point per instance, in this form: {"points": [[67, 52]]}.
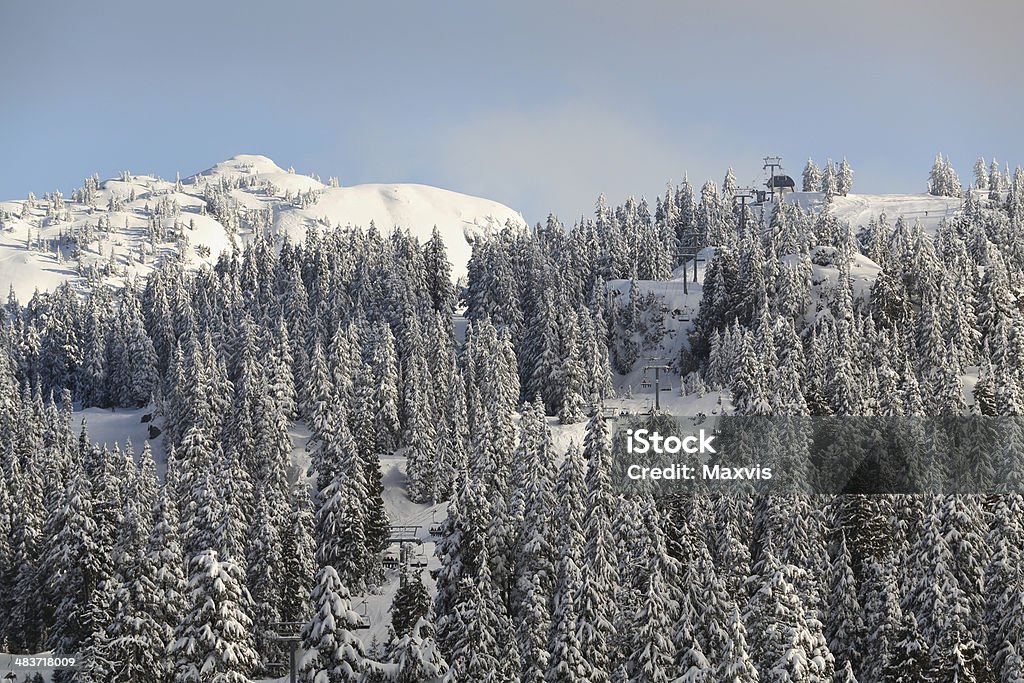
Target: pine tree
{"points": [[931, 586], [265, 570], [340, 516], [130, 643], [844, 182], [830, 180], [298, 546], [138, 637], [461, 552], [995, 181], [650, 647], [980, 174], [410, 605], [845, 621], [735, 664], [909, 662], [535, 615], [163, 551], [452, 438], [214, 642], [280, 378], [537, 549], [6, 557], [74, 543], [691, 664], [201, 509], [417, 657], [438, 274], [137, 365], [785, 647], [595, 600], [383, 367], [420, 437], [478, 629], [332, 651], [567, 663], [811, 177], [234, 497], [943, 181]]}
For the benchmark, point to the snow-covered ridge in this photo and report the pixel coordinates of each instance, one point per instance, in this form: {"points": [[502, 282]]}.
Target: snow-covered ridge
{"points": [[858, 209], [123, 227]]}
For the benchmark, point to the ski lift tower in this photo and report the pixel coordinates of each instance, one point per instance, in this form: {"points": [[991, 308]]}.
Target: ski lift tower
{"points": [[289, 633], [743, 195], [770, 164], [658, 365], [687, 251]]}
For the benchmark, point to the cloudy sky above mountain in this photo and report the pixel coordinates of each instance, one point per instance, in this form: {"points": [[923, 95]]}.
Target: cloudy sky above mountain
{"points": [[539, 105]]}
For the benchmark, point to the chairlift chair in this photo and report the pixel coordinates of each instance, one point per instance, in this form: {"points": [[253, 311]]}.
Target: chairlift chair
{"points": [[364, 619], [278, 666], [436, 528], [389, 560]]}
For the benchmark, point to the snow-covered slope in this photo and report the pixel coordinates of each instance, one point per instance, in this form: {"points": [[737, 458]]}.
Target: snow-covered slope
{"points": [[417, 208], [679, 308], [858, 209], [123, 227]]}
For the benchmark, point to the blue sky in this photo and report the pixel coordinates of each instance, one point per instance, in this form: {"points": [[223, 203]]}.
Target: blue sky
{"points": [[540, 105]]}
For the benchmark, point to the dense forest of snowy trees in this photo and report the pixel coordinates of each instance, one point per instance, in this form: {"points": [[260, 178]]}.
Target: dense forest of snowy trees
{"points": [[179, 572]]}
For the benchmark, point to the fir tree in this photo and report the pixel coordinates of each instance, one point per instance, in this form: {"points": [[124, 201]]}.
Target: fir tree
{"points": [[811, 177], [845, 631], [735, 665], [417, 657], [298, 546], [214, 642], [410, 605], [845, 180], [74, 544], [332, 652]]}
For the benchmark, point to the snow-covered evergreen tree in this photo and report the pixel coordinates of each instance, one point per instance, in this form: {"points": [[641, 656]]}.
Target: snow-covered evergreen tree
{"points": [[811, 177], [410, 605], [214, 640], [332, 652]]}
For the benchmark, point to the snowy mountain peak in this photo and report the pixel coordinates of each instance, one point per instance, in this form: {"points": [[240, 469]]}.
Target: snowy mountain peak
{"points": [[243, 165], [125, 226]]}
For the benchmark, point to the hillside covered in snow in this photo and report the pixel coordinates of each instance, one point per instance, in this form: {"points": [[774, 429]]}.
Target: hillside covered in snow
{"points": [[326, 442], [123, 227]]}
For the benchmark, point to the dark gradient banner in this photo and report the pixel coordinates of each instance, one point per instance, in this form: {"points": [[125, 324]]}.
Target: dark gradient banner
{"points": [[824, 455]]}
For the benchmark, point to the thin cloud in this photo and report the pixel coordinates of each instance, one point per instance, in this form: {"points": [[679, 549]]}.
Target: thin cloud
{"points": [[557, 159]]}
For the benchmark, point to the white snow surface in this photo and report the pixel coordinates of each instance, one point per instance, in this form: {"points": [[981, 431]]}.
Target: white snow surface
{"points": [[126, 251], [858, 209], [417, 208]]}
